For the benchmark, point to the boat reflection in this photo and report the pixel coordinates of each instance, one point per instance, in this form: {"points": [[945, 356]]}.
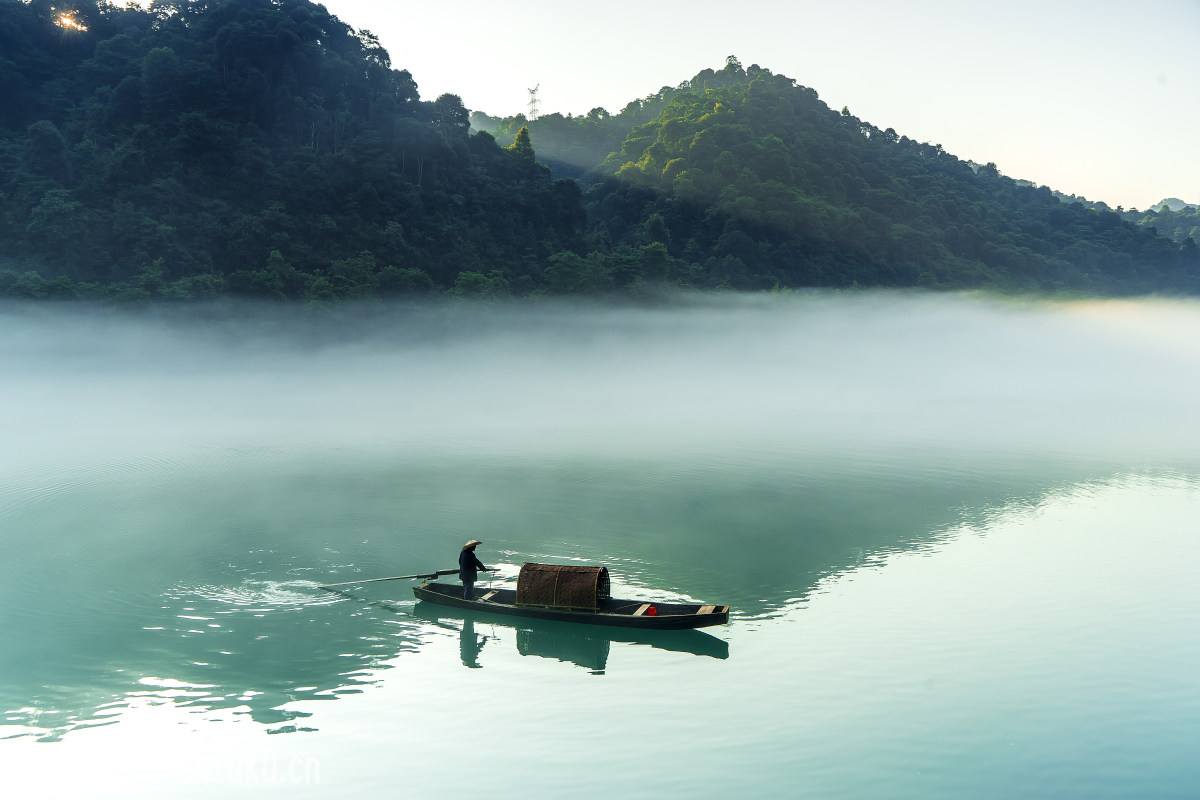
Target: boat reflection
{"points": [[586, 646], [470, 645]]}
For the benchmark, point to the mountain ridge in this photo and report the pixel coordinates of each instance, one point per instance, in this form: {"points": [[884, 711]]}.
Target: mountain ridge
{"points": [[845, 203], [264, 148]]}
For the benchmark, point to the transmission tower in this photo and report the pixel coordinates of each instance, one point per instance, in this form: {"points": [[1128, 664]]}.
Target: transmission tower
{"points": [[533, 103]]}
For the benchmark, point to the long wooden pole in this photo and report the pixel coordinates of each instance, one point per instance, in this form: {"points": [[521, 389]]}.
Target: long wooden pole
{"points": [[437, 574]]}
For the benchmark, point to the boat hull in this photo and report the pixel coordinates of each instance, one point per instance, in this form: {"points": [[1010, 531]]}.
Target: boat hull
{"points": [[617, 613]]}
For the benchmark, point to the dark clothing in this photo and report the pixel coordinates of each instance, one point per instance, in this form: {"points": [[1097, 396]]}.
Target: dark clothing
{"points": [[468, 588], [468, 565]]}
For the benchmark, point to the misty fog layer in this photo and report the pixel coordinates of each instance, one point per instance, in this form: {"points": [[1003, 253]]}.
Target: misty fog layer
{"points": [[937, 519], [758, 375]]}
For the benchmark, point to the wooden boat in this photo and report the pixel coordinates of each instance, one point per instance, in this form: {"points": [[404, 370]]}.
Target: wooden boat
{"points": [[586, 646], [570, 593]]}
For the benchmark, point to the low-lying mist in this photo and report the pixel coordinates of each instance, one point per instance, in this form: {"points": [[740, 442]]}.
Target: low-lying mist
{"points": [[760, 376]]}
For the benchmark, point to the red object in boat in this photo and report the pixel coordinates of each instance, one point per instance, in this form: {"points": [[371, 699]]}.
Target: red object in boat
{"points": [[651, 612]]}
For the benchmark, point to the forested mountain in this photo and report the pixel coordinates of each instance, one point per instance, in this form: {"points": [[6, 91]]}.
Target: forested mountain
{"points": [[265, 148], [1173, 204], [1172, 218], [750, 180], [260, 147]]}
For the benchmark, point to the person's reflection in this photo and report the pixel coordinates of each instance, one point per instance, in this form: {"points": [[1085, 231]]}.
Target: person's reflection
{"points": [[470, 645]]}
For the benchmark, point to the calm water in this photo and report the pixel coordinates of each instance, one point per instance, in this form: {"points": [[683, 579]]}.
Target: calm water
{"points": [[959, 537]]}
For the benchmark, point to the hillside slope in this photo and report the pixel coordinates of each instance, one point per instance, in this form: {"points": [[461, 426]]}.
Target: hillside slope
{"points": [[251, 146], [1172, 218], [749, 180], [265, 148]]}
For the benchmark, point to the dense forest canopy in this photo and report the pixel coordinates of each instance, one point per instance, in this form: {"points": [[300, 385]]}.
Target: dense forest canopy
{"points": [[1172, 218], [266, 148], [254, 146], [750, 180]]}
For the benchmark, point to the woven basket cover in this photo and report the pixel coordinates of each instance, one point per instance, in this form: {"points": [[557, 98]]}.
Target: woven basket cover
{"points": [[562, 585]]}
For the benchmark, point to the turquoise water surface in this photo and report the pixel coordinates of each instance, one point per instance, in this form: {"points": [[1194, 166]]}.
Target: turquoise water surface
{"points": [[958, 536]]}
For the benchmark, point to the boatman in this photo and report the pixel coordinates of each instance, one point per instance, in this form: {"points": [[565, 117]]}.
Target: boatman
{"points": [[468, 566]]}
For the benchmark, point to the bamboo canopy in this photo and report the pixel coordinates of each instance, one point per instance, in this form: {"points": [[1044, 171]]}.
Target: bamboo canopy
{"points": [[562, 586]]}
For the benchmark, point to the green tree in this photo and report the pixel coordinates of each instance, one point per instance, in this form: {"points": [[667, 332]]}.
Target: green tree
{"points": [[46, 152], [479, 284], [404, 280], [522, 147], [160, 73]]}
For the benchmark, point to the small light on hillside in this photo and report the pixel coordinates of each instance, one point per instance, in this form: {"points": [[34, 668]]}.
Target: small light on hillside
{"points": [[68, 21]]}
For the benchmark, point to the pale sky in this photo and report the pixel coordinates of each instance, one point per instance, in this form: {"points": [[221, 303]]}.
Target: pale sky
{"points": [[1097, 98]]}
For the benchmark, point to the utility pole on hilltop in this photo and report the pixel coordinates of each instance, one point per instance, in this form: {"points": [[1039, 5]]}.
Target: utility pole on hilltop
{"points": [[533, 103]]}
